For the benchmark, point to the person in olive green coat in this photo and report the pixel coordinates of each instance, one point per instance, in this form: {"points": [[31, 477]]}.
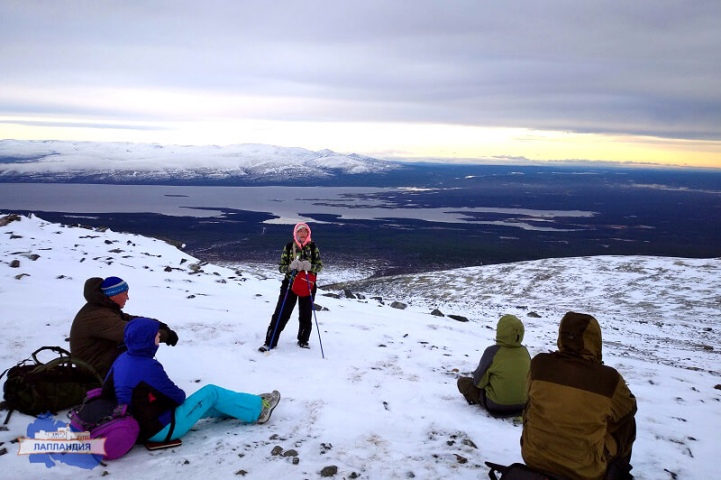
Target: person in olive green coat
{"points": [[499, 382], [579, 422]]}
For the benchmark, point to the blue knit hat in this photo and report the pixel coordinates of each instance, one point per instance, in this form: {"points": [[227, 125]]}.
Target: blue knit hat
{"points": [[112, 286]]}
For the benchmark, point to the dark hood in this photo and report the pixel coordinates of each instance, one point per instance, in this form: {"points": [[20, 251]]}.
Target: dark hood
{"points": [[140, 337], [580, 335], [93, 294]]}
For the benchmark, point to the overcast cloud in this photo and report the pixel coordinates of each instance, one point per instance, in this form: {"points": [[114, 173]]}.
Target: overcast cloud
{"points": [[627, 67]]}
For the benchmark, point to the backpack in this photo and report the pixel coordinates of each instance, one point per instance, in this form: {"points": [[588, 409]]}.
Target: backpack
{"points": [[303, 284], [102, 417], [33, 387], [517, 471]]}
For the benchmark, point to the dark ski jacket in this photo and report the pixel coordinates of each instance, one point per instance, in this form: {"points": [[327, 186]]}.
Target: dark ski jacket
{"points": [[580, 413], [140, 381], [96, 335]]}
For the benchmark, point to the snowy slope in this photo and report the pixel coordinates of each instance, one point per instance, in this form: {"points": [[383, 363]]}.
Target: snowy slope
{"points": [[107, 161], [383, 403]]}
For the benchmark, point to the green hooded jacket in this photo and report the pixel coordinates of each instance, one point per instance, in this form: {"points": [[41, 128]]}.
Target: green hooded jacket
{"points": [[504, 366]]}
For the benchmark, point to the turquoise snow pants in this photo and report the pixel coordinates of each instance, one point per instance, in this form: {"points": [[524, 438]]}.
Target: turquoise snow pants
{"points": [[211, 401]]}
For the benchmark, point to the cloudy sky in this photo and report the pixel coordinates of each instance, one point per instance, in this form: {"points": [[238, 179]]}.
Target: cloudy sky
{"points": [[623, 81]]}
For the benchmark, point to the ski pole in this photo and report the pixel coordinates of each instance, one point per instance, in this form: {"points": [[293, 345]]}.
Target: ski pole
{"points": [[312, 306], [282, 306]]}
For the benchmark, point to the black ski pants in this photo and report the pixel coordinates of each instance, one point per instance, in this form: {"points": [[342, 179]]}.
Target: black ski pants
{"points": [[283, 310]]}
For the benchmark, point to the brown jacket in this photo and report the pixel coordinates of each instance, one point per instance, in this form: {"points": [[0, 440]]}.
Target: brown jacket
{"points": [[96, 335], [580, 413]]}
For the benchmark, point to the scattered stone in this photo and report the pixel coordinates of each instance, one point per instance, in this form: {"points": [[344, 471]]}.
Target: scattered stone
{"points": [[399, 305], [290, 453], [348, 294], [277, 450], [21, 275], [437, 313], [329, 471], [109, 242], [469, 443], [461, 459], [320, 308], [325, 447], [718, 387], [296, 460], [331, 295], [460, 318], [15, 264], [242, 473], [3, 451], [105, 473], [533, 315], [707, 347]]}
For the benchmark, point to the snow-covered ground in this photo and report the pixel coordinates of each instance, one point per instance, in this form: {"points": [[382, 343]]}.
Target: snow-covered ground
{"points": [[379, 400]]}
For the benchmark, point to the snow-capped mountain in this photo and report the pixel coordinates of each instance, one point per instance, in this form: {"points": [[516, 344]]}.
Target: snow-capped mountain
{"points": [[375, 397], [130, 162]]}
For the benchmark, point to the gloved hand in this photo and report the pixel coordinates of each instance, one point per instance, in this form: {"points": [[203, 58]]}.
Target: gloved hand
{"points": [[295, 265], [305, 265], [172, 339]]}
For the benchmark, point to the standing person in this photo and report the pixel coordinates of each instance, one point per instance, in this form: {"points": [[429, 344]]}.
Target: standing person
{"points": [[299, 255], [579, 421], [96, 335], [499, 382], [161, 408]]}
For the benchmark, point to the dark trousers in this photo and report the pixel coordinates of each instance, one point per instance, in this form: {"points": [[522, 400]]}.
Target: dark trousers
{"points": [[280, 318], [475, 395]]}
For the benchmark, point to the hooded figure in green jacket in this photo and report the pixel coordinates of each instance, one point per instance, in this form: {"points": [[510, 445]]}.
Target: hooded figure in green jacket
{"points": [[499, 382], [579, 422]]}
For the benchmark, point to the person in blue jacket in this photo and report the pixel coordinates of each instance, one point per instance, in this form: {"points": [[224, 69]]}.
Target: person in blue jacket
{"points": [[161, 408]]}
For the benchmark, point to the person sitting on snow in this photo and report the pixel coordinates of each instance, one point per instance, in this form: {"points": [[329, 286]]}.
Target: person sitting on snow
{"points": [[499, 382], [162, 410], [96, 335], [579, 422]]}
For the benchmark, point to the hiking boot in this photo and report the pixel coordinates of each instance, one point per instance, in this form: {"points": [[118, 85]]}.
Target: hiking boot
{"points": [[270, 401], [264, 348], [303, 344]]}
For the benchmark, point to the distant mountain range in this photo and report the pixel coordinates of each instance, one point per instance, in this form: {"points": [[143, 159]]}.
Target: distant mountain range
{"points": [[96, 162]]}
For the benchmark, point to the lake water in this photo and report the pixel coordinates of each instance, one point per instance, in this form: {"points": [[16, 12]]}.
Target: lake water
{"points": [[287, 205], [460, 220]]}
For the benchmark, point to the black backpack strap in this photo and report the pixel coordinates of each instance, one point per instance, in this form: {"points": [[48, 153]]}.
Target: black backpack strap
{"points": [[172, 427], [59, 350], [7, 417]]}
